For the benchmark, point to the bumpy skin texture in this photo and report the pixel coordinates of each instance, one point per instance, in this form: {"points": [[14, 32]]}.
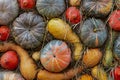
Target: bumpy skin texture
{"points": [[28, 30], [116, 48], [9, 75], [55, 56], [50, 8], [93, 32], [8, 11], [97, 8]]}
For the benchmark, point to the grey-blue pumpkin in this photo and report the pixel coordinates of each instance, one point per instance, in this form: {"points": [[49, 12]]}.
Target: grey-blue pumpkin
{"points": [[93, 32], [28, 30], [50, 8], [8, 11]]}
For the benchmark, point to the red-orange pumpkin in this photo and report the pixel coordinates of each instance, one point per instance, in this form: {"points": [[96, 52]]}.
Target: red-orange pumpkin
{"points": [[55, 56]]}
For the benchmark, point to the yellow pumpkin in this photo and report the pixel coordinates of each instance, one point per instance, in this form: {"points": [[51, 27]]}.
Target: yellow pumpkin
{"points": [[85, 77], [92, 57]]}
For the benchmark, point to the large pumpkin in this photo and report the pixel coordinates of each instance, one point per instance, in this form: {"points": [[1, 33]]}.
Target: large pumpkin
{"points": [[50, 8], [116, 48], [28, 30], [8, 11], [97, 8], [55, 56], [93, 32]]}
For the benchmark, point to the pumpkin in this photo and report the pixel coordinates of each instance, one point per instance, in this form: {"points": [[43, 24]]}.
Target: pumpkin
{"points": [[116, 48], [93, 33], [85, 77], [8, 11], [27, 4], [74, 2], [55, 56], [97, 8], [117, 2], [50, 8], [28, 30], [92, 57], [114, 20]]}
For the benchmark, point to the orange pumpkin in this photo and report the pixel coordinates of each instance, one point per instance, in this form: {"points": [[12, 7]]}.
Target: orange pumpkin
{"points": [[92, 57], [55, 56], [85, 77]]}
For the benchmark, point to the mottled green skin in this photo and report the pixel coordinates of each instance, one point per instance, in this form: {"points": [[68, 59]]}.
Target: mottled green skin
{"points": [[50, 8], [28, 30], [97, 8], [93, 32], [117, 2], [116, 48], [8, 11]]}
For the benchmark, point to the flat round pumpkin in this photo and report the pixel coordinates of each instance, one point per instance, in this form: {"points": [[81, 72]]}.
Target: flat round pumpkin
{"points": [[50, 8], [8, 11], [55, 56], [28, 30], [116, 48], [93, 32], [97, 8]]}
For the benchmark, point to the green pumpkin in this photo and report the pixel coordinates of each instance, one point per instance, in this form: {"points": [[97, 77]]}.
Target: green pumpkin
{"points": [[97, 8], [28, 30], [8, 11], [93, 32], [50, 8], [116, 48]]}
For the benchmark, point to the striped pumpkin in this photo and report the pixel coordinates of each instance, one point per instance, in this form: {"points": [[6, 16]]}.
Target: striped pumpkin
{"points": [[50, 8], [55, 56], [97, 8], [93, 32], [8, 11], [28, 30]]}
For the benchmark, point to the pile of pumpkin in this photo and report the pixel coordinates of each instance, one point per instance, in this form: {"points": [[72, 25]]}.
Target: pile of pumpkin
{"points": [[59, 39]]}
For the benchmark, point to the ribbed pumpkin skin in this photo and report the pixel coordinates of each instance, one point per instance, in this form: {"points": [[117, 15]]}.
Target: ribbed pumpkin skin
{"points": [[8, 11], [55, 56], [116, 48], [28, 30], [93, 32], [50, 8], [97, 8]]}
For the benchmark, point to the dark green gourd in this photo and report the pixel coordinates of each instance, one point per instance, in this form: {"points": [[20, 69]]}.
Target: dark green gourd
{"points": [[97, 8], [28, 30], [93, 32], [8, 11], [50, 8]]}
